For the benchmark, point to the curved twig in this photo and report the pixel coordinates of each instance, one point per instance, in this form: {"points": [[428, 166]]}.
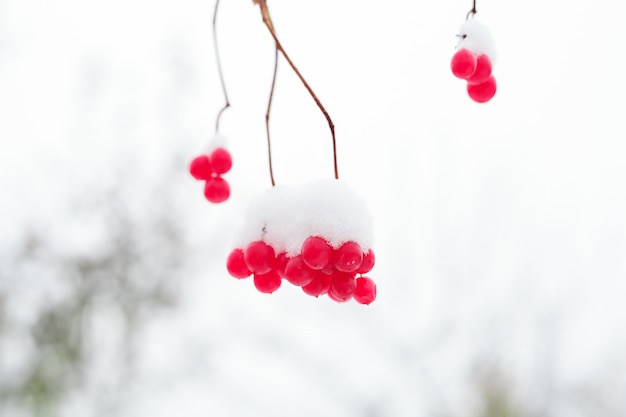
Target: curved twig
{"points": [[219, 68], [267, 116], [268, 22], [471, 12]]}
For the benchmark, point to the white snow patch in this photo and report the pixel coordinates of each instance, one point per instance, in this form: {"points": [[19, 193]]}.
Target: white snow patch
{"points": [[475, 36], [285, 215], [216, 141]]}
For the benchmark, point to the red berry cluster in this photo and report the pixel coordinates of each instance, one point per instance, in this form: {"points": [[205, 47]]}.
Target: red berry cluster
{"points": [[210, 168], [318, 269], [476, 70]]}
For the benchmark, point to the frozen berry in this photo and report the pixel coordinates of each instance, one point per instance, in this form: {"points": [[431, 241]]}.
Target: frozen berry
{"points": [[368, 262], [349, 257], [342, 285], [316, 252], [463, 64], [318, 285], [236, 265], [221, 161], [200, 168], [297, 273], [260, 257], [216, 190], [365, 291], [267, 283], [482, 92], [483, 70]]}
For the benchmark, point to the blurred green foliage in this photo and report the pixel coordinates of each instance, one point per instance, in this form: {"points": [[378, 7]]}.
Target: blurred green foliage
{"points": [[129, 272]]}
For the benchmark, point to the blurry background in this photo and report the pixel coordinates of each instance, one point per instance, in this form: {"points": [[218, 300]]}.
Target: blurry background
{"points": [[500, 228]]}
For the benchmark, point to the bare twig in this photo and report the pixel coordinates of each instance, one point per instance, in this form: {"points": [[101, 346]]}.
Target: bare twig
{"points": [[471, 12], [219, 68], [268, 22], [267, 116]]}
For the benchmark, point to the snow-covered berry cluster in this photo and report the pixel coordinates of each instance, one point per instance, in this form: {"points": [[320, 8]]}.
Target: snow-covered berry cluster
{"points": [[318, 269], [210, 167], [315, 236], [474, 61]]}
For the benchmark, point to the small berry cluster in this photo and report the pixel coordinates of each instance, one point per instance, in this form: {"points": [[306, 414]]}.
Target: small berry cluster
{"points": [[476, 70], [318, 268], [474, 59], [210, 168]]}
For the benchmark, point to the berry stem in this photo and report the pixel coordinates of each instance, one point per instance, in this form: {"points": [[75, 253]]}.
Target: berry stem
{"points": [[267, 116], [219, 68], [471, 12], [268, 22]]}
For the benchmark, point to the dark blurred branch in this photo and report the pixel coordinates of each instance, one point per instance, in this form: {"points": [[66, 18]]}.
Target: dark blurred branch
{"points": [[131, 271]]}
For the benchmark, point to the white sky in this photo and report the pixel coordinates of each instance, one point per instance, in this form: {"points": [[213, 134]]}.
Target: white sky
{"points": [[498, 226]]}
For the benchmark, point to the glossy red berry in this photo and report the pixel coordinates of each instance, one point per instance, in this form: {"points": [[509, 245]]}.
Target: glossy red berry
{"points": [[330, 268], [221, 161], [236, 265], [267, 283], [342, 285], [335, 298], [216, 190], [316, 252], [318, 285], [349, 257], [297, 273], [483, 70], [368, 262], [483, 92], [281, 263], [365, 291], [200, 167], [463, 64], [259, 257]]}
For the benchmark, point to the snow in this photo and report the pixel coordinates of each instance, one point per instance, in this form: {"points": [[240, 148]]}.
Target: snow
{"points": [[285, 215], [475, 36], [216, 141]]}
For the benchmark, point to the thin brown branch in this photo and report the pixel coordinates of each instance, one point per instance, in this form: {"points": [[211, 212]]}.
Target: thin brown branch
{"points": [[219, 68], [268, 22], [471, 12], [267, 116]]}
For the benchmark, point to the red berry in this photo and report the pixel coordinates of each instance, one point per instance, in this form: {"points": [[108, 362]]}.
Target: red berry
{"points": [[221, 161], [216, 190], [483, 70], [200, 168], [335, 298], [297, 272], [281, 263], [342, 285], [318, 285], [236, 265], [267, 283], [368, 262], [316, 252], [365, 291], [349, 257], [259, 257], [330, 268], [482, 92], [463, 64]]}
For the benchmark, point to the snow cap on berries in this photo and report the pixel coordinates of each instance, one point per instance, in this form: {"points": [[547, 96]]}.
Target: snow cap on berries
{"points": [[286, 215], [475, 36]]}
